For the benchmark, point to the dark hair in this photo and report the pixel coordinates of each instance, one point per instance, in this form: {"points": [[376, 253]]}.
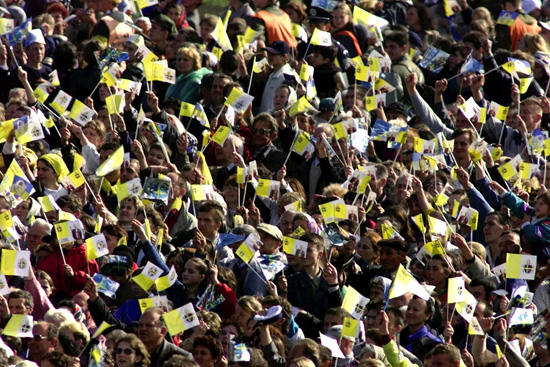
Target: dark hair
{"points": [[210, 343], [89, 51], [64, 57], [115, 230], [401, 38], [29, 302], [315, 239], [229, 62], [477, 39], [109, 146], [269, 301], [398, 315], [211, 205], [70, 201], [488, 285], [326, 52], [57, 359], [310, 350], [426, 18], [464, 130]]}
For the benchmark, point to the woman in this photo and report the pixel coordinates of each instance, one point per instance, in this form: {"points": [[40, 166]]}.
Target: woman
{"points": [[228, 328], [50, 170], [188, 83], [207, 351], [247, 307], [27, 210], [348, 34], [129, 207], [368, 249], [231, 195], [176, 12], [296, 10], [115, 235], [437, 274], [129, 351], [421, 24], [285, 96]]}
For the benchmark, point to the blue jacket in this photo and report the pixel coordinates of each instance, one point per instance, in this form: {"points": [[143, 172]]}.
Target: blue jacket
{"points": [[536, 234], [187, 87]]}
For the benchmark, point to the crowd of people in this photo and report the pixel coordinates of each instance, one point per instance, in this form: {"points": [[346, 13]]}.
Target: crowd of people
{"points": [[293, 183]]}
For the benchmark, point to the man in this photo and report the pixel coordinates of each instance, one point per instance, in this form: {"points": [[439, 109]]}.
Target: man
{"points": [[346, 344], [210, 218], [496, 223], [379, 186], [482, 289], [415, 337], [463, 138], [177, 216], [272, 239], [39, 229], [224, 155], [161, 27], [274, 23], [20, 303], [508, 37], [445, 355], [217, 97], [35, 48], [314, 289], [397, 45], [509, 242], [43, 341], [264, 130], [278, 58], [152, 331], [334, 316]]}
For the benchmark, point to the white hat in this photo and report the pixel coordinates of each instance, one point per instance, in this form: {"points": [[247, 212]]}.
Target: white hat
{"points": [[34, 36], [530, 5], [136, 39]]}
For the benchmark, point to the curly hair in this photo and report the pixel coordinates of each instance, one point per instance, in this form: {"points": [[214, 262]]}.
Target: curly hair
{"points": [[209, 343], [138, 347]]}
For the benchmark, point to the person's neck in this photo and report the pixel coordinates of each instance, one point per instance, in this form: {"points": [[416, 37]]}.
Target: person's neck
{"points": [[277, 68], [416, 28], [152, 347], [192, 289], [233, 205], [463, 162], [312, 270], [414, 329], [440, 286], [296, 268], [52, 185], [113, 177], [33, 65]]}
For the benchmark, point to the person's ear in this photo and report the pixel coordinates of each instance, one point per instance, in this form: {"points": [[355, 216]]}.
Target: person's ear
{"points": [[398, 328]]}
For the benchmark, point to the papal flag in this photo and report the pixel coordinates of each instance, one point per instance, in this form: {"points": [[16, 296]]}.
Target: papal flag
{"points": [[181, 319], [239, 100], [220, 36], [167, 281], [521, 316], [148, 276], [467, 307], [355, 303], [96, 246], [295, 247], [474, 328], [47, 203], [19, 326], [404, 282], [15, 262], [350, 327], [81, 113], [61, 102], [104, 326], [521, 266], [321, 38], [455, 292], [112, 163]]}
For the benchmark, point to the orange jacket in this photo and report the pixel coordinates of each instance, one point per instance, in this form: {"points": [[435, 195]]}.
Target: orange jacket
{"points": [[277, 27]]}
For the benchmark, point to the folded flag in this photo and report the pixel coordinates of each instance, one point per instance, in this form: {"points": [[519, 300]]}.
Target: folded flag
{"points": [[167, 280], [220, 36], [239, 100], [295, 247], [404, 282], [148, 276], [112, 163], [321, 38]]}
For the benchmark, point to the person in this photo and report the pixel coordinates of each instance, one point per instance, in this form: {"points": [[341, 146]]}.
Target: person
{"points": [[346, 32], [43, 341], [273, 22], [508, 36], [129, 351], [207, 351], [416, 337], [187, 86]]}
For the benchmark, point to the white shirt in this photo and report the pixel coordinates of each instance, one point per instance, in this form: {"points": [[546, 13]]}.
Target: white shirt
{"points": [[273, 82]]}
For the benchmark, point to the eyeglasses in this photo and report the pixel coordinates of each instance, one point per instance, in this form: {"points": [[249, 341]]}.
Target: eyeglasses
{"points": [[266, 132], [38, 337], [126, 351]]}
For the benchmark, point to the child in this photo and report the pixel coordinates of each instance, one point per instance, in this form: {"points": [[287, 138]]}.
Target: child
{"points": [[326, 74]]}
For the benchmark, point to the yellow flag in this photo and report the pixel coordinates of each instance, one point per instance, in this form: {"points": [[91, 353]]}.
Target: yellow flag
{"points": [[361, 73], [186, 109], [350, 327], [114, 103], [321, 38], [112, 163], [300, 106], [339, 131], [77, 178], [419, 221], [507, 171], [245, 253], [220, 36], [204, 169], [221, 135]]}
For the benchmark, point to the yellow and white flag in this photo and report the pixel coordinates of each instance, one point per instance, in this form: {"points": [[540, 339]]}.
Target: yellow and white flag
{"points": [[295, 247], [521, 266], [239, 100], [112, 163], [467, 307], [61, 102], [404, 282], [96, 246], [455, 292], [81, 113], [167, 280], [15, 262], [48, 203], [132, 187], [220, 36], [19, 326], [355, 303], [321, 38], [148, 276], [104, 326], [181, 319], [474, 328]]}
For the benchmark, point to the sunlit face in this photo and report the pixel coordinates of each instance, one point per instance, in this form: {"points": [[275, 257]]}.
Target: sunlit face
{"points": [[492, 229], [36, 53], [45, 174], [531, 115], [17, 306], [365, 249], [304, 123], [242, 316], [203, 357], [127, 212], [217, 89], [285, 224], [231, 194], [541, 209], [191, 275], [312, 255], [184, 63], [390, 258], [175, 14], [205, 32], [416, 312], [263, 133], [112, 241], [225, 333], [93, 136], [339, 18], [22, 210], [394, 51], [207, 223], [125, 355], [155, 157], [129, 172], [462, 143], [46, 286], [281, 98], [436, 273], [270, 244], [412, 17]]}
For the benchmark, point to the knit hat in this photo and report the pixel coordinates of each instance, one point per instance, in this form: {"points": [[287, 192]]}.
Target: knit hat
{"points": [[58, 165]]}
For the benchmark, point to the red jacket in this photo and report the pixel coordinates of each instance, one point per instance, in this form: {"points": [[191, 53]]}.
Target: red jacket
{"points": [[76, 258]]}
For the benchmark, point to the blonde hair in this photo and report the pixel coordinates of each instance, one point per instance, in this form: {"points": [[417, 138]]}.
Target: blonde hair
{"points": [[335, 190], [533, 43], [191, 53], [303, 362], [483, 13], [77, 329]]}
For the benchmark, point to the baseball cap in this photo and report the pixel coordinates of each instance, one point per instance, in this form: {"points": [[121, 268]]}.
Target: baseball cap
{"points": [[399, 108], [277, 48], [166, 23], [271, 230], [326, 104]]}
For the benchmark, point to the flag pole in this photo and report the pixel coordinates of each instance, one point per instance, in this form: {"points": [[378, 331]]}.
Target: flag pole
{"points": [[251, 76]]}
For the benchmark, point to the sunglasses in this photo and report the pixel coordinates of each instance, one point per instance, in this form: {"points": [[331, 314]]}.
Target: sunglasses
{"points": [[38, 337], [126, 351], [266, 132]]}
